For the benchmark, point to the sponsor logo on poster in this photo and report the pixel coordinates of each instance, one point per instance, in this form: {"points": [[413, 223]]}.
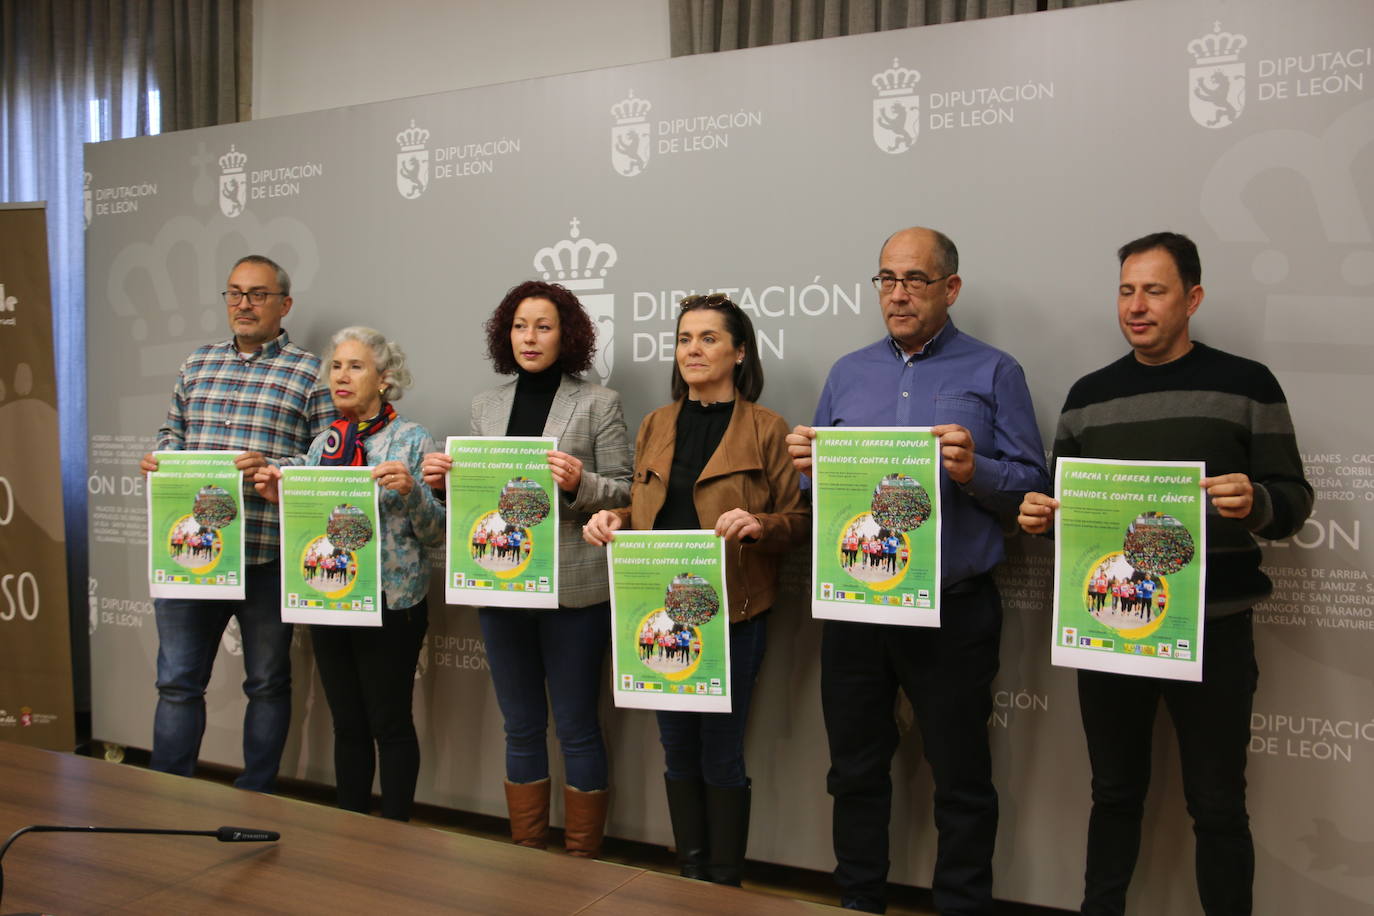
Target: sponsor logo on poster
{"points": [[412, 162], [631, 136], [1070, 635], [581, 264], [26, 718], [897, 109], [1216, 81]]}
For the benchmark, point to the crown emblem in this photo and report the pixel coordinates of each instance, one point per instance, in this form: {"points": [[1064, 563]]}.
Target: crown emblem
{"points": [[412, 138], [233, 161], [1216, 48], [896, 80], [576, 262], [631, 110]]}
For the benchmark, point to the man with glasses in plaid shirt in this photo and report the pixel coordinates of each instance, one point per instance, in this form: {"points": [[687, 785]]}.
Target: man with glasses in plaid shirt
{"points": [[259, 394]]}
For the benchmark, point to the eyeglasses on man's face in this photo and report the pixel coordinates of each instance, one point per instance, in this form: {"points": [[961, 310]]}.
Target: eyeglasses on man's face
{"points": [[913, 285], [257, 297]]}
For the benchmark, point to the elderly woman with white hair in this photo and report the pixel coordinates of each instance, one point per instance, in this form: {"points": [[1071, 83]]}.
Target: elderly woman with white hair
{"points": [[368, 674]]}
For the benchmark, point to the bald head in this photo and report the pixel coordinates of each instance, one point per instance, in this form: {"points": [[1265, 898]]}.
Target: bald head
{"points": [[942, 245]]}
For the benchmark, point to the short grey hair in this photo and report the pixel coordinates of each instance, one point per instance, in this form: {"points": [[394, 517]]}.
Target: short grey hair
{"points": [[390, 358], [283, 278]]}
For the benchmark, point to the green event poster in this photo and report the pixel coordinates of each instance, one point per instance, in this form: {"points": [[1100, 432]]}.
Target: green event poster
{"points": [[670, 621], [195, 526], [1130, 567], [875, 531], [331, 554], [502, 543]]}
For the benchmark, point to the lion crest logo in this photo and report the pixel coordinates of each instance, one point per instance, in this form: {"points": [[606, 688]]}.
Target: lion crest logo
{"points": [[1216, 81], [897, 109]]}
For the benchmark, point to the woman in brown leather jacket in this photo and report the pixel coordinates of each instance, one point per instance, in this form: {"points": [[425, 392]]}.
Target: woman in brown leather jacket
{"points": [[715, 459]]}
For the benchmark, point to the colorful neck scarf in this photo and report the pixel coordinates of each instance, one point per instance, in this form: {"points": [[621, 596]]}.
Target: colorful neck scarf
{"points": [[343, 441]]}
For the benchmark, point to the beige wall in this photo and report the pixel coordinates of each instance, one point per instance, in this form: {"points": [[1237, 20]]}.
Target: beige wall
{"points": [[314, 54]]}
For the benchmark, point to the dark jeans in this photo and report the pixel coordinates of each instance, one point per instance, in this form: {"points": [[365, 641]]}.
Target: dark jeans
{"points": [[188, 633], [946, 673], [709, 746], [1212, 719], [368, 675], [566, 649]]}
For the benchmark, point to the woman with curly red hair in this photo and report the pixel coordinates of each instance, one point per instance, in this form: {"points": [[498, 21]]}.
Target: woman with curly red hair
{"points": [[541, 334]]}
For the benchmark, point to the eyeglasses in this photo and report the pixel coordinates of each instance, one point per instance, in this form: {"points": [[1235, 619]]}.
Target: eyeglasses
{"points": [[711, 301], [913, 285], [233, 297]]}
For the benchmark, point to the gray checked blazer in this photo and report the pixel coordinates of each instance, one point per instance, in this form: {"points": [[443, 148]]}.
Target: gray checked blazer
{"points": [[588, 421]]}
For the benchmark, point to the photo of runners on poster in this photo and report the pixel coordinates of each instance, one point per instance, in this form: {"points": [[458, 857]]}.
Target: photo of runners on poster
{"points": [[502, 545], [875, 532], [195, 526], [331, 554], [1130, 567], [670, 621]]}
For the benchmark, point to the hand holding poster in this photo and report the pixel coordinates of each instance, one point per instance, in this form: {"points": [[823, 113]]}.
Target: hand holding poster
{"points": [[670, 621], [875, 535], [331, 556], [1130, 567], [195, 526], [502, 548]]}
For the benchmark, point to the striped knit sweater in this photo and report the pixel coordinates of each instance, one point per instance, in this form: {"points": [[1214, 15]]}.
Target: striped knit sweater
{"points": [[1205, 406]]}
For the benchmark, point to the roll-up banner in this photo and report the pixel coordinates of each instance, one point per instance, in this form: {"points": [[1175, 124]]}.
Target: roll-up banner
{"points": [[35, 643]]}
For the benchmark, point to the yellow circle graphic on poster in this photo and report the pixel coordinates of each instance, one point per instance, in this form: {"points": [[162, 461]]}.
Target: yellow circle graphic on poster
{"points": [[666, 647], [873, 554], [1116, 594], [328, 569], [193, 545], [499, 547]]}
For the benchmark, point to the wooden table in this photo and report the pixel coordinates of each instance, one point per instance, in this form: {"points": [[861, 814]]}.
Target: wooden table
{"points": [[327, 861]]}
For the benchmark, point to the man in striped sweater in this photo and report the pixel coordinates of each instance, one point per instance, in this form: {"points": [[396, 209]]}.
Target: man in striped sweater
{"points": [[1173, 398]]}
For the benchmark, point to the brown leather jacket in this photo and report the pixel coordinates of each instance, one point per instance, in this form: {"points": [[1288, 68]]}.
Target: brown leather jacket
{"points": [[750, 470]]}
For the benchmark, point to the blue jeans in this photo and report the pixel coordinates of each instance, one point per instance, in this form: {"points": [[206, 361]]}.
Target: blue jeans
{"points": [[566, 649], [709, 746], [189, 634]]}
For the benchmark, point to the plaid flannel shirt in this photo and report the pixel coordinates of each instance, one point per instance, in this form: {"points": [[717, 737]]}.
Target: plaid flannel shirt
{"points": [[272, 402]]}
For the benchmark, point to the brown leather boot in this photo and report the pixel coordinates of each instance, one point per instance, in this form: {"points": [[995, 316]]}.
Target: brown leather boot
{"points": [[584, 818], [528, 804]]}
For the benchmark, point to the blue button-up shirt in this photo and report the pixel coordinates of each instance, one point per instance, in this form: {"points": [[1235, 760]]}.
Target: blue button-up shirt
{"points": [[959, 379]]}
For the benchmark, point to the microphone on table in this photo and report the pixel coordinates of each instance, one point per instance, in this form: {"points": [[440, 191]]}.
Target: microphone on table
{"points": [[223, 834]]}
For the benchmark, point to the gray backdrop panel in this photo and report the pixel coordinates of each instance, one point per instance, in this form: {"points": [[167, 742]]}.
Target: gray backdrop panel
{"points": [[1043, 142]]}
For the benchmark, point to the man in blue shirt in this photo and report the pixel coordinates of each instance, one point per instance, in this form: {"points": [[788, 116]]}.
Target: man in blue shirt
{"points": [[926, 372]]}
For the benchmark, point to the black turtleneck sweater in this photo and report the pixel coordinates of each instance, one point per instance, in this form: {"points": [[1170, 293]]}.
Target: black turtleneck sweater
{"points": [[534, 393], [699, 431]]}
